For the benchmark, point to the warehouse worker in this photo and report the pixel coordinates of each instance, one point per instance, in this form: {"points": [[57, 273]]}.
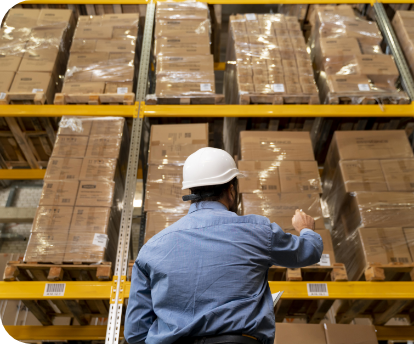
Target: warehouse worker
{"points": [[204, 278]]}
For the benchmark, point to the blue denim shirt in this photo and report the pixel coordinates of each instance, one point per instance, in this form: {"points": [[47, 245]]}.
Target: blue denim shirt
{"points": [[207, 275]]}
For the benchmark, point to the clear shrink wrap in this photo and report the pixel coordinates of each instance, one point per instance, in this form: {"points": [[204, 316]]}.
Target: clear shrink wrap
{"points": [[350, 65], [403, 23], [34, 47], [268, 57], [165, 197], [46, 247], [102, 56]]}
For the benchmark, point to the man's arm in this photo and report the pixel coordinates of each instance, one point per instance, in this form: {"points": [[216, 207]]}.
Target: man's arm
{"points": [[140, 314]]}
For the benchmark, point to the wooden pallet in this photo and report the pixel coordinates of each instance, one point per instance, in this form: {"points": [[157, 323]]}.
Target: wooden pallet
{"points": [[205, 100], [38, 98], [372, 98], [45, 310], [389, 272], [95, 99], [246, 99]]}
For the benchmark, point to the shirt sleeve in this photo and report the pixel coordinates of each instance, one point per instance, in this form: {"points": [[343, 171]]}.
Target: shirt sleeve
{"points": [[293, 251], [140, 314]]}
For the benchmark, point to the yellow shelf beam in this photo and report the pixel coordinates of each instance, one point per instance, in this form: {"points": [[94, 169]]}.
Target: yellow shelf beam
{"points": [[277, 110], [213, 2], [67, 110], [22, 174]]}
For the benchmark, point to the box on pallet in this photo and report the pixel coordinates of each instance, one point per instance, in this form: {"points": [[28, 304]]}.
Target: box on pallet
{"points": [[156, 222], [403, 26]]}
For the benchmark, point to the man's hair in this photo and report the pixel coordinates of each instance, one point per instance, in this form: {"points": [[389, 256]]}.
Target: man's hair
{"points": [[214, 192]]}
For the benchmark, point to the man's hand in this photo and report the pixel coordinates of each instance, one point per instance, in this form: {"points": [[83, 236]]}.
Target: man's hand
{"points": [[300, 221]]}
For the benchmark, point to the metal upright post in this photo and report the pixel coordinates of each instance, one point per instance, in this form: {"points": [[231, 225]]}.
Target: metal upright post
{"points": [[392, 41], [117, 297]]}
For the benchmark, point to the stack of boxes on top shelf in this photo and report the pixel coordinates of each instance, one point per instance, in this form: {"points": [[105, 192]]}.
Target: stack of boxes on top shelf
{"points": [[184, 64], [347, 55], [79, 210], [403, 23], [282, 176], [272, 59], [368, 189], [170, 145], [102, 60], [33, 53]]}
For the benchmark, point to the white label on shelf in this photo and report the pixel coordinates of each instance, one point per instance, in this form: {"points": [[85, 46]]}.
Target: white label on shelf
{"points": [[278, 87], [2, 95], [100, 240], [122, 90], [250, 16], [364, 87], [325, 260], [205, 87], [317, 289], [35, 90], [54, 289]]}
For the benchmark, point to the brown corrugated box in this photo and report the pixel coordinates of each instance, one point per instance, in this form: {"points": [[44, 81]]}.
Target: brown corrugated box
{"points": [[157, 221], [55, 17], [95, 194], [108, 127], [180, 28], [399, 174], [103, 147], [70, 146], [49, 218], [83, 46], [165, 197], [125, 32], [203, 64], [259, 176], [27, 82], [409, 236], [340, 46], [378, 68], [88, 59], [299, 334], [176, 10], [99, 169], [299, 176], [91, 32], [63, 169], [172, 144], [83, 87], [119, 87], [348, 83], [171, 89], [6, 79], [91, 219], [165, 174], [350, 334], [115, 45], [75, 126], [120, 19], [268, 145], [22, 18], [56, 193], [47, 247], [187, 45], [10, 63]]}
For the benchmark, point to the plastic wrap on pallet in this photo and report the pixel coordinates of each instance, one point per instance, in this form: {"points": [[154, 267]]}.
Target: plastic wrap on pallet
{"points": [[350, 65], [182, 10], [166, 197], [269, 56], [102, 56], [165, 174], [404, 29], [34, 47], [157, 221], [46, 247]]}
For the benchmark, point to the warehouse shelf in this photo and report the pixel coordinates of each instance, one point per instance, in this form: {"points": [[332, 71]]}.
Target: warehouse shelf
{"points": [[22, 174]]}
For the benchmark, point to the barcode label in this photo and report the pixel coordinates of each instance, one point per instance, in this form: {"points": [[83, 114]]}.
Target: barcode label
{"points": [[122, 90], [54, 289], [278, 88], [250, 16], [399, 259], [35, 90], [49, 186], [205, 87], [100, 240], [70, 176], [66, 200], [364, 87], [2, 95], [325, 260], [317, 289], [187, 135]]}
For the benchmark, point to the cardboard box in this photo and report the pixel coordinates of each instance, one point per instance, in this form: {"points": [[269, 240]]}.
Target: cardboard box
{"points": [[172, 89], [22, 18], [93, 32], [6, 80], [165, 174], [119, 87], [180, 28], [59, 193], [125, 32], [202, 64], [409, 236], [103, 147], [116, 45], [350, 334], [275, 145], [39, 60], [179, 46], [82, 46], [55, 17], [91, 220], [95, 194], [115, 71], [112, 127], [84, 21], [156, 222], [299, 176], [31, 82], [99, 169], [378, 68], [90, 60], [72, 146], [260, 176], [166, 197], [348, 84], [74, 126], [46, 247], [341, 46], [45, 37], [172, 144], [399, 174], [299, 334], [83, 87], [177, 10], [9, 63], [63, 169], [120, 19], [49, 218]]}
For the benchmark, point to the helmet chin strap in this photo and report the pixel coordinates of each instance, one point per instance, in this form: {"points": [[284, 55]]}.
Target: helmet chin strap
{"points": [[197, 197]]}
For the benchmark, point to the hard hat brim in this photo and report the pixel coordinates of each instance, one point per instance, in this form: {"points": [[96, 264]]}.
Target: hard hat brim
{"points": [[218, 180]]}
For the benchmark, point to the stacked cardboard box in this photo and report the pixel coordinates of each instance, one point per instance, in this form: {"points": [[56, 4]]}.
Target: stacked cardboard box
{"points": [[368, 193], [34, 50], [348, 58], [281, 176], [404, 29], [78, 215], [102, 56], [271, 57], [170, 145], [185, 66]]}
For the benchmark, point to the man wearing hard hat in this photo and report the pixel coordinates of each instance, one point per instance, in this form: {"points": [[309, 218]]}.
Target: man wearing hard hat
{"points": [[204, 278]]}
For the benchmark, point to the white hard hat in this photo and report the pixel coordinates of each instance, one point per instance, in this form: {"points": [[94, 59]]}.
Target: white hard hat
{"points": [[209, 166]]}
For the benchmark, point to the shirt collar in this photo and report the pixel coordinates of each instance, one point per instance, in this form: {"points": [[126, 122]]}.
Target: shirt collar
{"points": [[207, 205]]}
